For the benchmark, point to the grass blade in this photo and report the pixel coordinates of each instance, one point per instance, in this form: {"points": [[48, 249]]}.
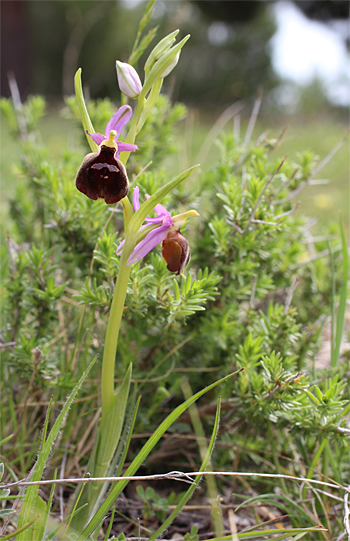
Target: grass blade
{"points": [[107, 438], [121, 462], [31, 499], [49, 503], [342, 302], [142, 455], [193, 487], [213, 495], [84, 115], [20, 530], [286, 533]]}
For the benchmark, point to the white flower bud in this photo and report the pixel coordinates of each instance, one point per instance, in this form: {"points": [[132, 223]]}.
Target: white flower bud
{"points": [[171, 66], [128, 80]]}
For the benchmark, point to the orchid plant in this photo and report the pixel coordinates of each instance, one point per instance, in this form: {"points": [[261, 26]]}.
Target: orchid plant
{"points": [[103, 175]]}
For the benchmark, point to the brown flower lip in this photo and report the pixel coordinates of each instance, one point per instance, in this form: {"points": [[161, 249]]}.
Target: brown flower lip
{"points": [[103, 176], [176, 252]]}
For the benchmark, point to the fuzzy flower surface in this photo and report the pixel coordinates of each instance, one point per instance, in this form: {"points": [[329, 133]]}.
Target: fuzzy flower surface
{"points": [[102, 175], [175, 247], [116, 123]]}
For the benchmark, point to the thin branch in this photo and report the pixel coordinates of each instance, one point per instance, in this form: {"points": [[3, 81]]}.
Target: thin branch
{"points": [[237, 228], [262, 193], [290, 294], [246, 154], [279, 385], [319, 181], [243, 183], [174, 475], [140, 172], [63, 467], [232, 522], [346, 513], [236, 126], [321, 238], [279, 139], [287, 213], [252, 294], [284, 185], [16, 98], [7, 344], [329, 156], [294, 193], [263, 222], [317, 256], [317, 170], [216, 130], [253, 117]]}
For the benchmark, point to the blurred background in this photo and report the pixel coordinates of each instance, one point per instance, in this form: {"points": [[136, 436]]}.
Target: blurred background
{"points": [[297, 52]]}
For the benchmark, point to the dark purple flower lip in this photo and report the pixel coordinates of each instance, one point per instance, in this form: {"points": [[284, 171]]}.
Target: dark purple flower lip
{"points": [[103, 176]]}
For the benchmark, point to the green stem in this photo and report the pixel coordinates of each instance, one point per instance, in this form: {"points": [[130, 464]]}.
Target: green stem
{"points": [[112, 333], [117, 307], [143, 109], [130, 138]]}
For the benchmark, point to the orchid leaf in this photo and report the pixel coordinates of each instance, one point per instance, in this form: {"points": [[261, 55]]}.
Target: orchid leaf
{"points": [[196, 482], [32, 495], [84, 115], [142, 455], [139, 217]]}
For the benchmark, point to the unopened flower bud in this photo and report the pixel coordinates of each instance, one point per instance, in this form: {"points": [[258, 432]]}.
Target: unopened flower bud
{"points": [[128, 80], [171, 66], [176, 252], [161, 48]]}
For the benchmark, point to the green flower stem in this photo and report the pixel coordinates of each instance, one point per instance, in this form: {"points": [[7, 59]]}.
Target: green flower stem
{"points": [[113, 326], [143, 109], [128, 212], [118, 301]]}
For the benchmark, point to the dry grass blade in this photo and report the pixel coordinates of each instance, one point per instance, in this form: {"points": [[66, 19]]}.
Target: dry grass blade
{"points": [[253, 117], [177, 475], [262, 193], [219, 125], [346, 513]]}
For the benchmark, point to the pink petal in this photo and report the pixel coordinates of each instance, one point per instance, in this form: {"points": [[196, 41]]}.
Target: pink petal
{"points": [[120, 247], [159, 209], [126, 147], [159, 220], [119, 119], [97, 137], [135, 198], [136, 203], [149, 242]]}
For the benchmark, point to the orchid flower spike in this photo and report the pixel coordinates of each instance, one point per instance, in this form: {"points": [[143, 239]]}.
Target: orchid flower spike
{"points": [[102, 175], [175, 247]]}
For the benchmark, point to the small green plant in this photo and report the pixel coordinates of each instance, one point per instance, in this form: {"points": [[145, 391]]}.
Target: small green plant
{"points": [[156, 505]]}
